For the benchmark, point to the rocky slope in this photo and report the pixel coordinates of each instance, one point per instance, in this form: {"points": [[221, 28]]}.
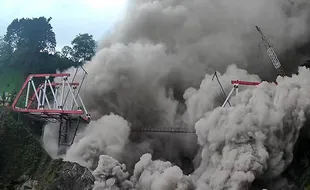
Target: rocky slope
{"points": [[24, 164]]}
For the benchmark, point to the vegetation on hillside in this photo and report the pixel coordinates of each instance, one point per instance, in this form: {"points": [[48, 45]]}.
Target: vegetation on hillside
{"points": [[22, 158], [29, 47]]}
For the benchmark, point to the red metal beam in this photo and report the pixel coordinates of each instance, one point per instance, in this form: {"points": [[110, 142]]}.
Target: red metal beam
{"points": [[53, 84], [50, 75], [38, 76], [71, 83], [76, 112], [21, 91], [247, 83], [33, 97]]}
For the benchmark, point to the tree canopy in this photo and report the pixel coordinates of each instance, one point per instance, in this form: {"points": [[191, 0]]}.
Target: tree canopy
{"points": [[34, 34], [66, 51], [83, 47], [29, 47], [5, 50]]}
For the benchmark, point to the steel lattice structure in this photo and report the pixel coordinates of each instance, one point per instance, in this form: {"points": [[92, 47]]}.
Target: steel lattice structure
{"points": [[53, 101], [165, 130], [271, 53]]}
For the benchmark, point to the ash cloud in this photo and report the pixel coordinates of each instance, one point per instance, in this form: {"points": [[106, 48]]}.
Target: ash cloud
{"points": [[254, 139], [208, 35], [148, 73], [107, 135], [173, 44]]}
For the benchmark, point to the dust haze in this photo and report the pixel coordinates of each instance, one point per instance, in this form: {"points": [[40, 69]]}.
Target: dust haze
{"points": [[155, 70]]}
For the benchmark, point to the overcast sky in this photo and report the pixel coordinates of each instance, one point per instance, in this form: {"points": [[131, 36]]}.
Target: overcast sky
{"points": [[69, 17]]}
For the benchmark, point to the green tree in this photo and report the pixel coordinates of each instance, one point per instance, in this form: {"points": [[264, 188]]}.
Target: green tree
{"points": [[2, 46], [35, 35], [4, 50], [66, 51], [28, 42], [83, 46], [29, 47]]}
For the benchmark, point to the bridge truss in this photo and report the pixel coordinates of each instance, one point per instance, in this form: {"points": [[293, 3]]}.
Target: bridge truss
{"points": [[57, 102]]}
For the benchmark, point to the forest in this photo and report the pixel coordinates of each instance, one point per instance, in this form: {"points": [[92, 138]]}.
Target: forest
{"points": [[29, 46]]}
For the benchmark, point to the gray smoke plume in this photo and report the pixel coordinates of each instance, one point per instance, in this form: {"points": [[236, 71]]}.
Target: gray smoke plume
{"points": [[50, 139], [148, 73], [208, 35], [198, 102], [157, 174], [148, 174], [254, 139], [170, 44], [110, 174], [107, 135]]}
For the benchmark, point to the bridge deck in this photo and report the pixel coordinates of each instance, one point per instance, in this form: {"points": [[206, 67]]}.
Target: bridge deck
{"points": [[165, 130]]}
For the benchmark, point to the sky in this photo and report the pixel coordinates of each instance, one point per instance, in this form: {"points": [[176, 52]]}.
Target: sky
{"points": [[69, 17]]}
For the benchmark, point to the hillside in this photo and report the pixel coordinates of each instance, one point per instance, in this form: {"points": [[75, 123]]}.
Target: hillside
{"points": [[11, 79], [23, 161]]}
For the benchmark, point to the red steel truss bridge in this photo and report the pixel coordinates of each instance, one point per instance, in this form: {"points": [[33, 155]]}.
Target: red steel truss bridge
{"points": [[57, 102]]}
